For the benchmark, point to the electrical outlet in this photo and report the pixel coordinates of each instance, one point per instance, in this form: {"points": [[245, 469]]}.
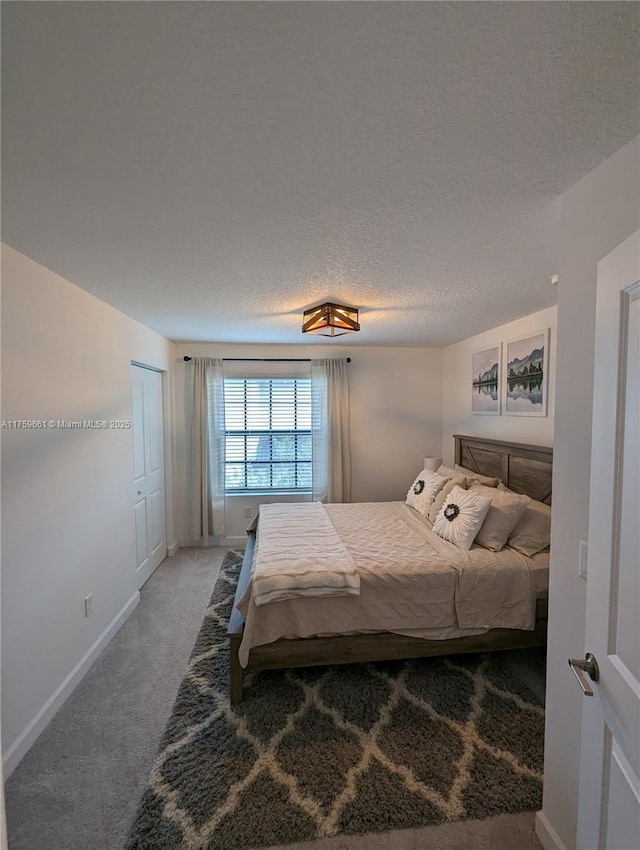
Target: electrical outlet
{"points": [[582, 565], [88, 604], [247, 512]]}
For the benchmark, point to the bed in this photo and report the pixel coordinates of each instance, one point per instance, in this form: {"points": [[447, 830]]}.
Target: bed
{"points": [[310, 632]]}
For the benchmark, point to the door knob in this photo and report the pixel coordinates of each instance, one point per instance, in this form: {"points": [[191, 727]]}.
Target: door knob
{"points": [[588, 665]]}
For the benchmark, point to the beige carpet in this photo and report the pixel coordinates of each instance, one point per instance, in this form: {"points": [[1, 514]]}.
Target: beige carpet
{"points": [[504, 832]]}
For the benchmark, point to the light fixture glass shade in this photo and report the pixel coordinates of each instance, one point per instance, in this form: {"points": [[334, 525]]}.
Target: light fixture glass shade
{"points": [[432, 463], [330, 320]]}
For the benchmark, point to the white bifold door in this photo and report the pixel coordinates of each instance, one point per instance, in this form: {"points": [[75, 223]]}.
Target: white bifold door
{"points": [[609, 801], [148, 471]]}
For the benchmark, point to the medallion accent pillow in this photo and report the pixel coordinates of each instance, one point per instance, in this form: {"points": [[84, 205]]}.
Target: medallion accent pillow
{"points": [[423, 491], [461, 516], [438, 502]]}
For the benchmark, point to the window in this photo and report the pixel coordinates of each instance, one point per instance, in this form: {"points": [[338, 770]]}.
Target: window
{"points": [[267, 434]]}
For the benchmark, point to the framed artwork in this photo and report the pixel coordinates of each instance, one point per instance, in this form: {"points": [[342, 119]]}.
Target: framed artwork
{"points": [[485, 381], [526, 379]]}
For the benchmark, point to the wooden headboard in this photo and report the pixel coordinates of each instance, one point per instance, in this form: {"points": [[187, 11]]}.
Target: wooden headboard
{"points": [[523, 468]]}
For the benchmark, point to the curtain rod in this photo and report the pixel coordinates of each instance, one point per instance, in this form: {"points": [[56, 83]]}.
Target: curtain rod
{"points": [[186, 359]]}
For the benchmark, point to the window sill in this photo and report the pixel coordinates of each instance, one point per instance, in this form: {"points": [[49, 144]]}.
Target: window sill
{"points": [[245, 493]]}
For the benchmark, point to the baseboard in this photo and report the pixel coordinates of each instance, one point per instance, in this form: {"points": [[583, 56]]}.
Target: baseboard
{"points": [[549, 838], [198, 544], [238, 541], [20, 747], [235, 541]]}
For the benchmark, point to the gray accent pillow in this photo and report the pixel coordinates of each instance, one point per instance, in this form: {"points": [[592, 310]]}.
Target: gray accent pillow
{"points": [[438, 502], [502, 517], [447, 471], [487, 480], [533, 531]]}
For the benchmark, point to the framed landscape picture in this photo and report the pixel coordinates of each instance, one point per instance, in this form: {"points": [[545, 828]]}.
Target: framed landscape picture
{"points": [[485, 381], [526, 379]]}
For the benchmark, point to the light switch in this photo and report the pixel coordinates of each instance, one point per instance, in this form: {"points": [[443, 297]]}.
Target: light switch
{"points": [[582, 567]]}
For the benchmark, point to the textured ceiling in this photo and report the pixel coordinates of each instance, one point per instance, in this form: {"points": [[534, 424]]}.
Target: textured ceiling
{"points": [[212, 169]]}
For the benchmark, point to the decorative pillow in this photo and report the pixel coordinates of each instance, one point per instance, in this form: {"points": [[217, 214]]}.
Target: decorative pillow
{"points": [[423, 490], [502, 517], [533, 530], [487, 480], [457, 481], [461, 516]]}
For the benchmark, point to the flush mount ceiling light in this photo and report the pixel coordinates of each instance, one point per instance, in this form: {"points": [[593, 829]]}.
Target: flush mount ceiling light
{"points": [[330, 320]]}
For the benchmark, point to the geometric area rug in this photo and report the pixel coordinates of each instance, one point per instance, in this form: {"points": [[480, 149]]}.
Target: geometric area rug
{"points": [[350, 749]]}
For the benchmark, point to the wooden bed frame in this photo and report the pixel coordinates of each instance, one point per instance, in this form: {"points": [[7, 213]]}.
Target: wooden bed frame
{"points": [[524, 469]]}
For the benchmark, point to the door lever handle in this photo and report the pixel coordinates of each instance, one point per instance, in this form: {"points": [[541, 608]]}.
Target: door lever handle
{"points": [[588, 665]]}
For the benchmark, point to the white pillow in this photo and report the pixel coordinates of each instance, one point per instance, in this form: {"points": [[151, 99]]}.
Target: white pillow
{"points": [[461, 516], [423, 491]]}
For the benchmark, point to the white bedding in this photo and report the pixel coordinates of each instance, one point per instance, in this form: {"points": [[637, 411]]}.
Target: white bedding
{"points": [[286, 564], [539, 564], [411, 582]]}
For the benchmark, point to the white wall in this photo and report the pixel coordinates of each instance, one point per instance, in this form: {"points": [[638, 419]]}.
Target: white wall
{"points": [[457, 417], [396, 416], [67, 515], [597, 214]]}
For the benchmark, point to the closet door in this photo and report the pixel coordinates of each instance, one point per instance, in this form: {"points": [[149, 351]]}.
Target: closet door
{"points": [[148, 471]]}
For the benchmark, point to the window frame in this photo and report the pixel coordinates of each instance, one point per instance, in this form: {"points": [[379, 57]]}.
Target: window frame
{"points": [[271, 432]]}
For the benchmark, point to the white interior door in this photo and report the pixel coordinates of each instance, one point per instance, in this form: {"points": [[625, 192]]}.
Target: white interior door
{"points": [[609, 801], [148, 471]]}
